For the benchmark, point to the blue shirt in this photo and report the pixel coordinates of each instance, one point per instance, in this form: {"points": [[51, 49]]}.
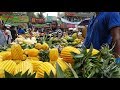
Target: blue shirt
{"points": [[21, 31], [98, 31]]}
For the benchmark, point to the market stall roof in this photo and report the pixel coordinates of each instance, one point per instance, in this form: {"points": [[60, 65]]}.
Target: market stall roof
{"points": [[69, 22], [85, 21], [7, 25]]}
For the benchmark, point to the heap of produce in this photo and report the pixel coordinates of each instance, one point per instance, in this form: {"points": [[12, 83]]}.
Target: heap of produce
{"points": [[56, 58]]}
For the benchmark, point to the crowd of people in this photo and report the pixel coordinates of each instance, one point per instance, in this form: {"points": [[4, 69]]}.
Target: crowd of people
{"points": [[9, 34]]}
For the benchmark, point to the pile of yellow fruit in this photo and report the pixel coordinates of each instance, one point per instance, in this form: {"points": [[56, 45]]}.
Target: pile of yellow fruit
{"points": [[16, 60]]}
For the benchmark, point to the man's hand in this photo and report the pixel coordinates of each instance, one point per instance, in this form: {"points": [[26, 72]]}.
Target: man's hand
{"points": [[115, 32]]}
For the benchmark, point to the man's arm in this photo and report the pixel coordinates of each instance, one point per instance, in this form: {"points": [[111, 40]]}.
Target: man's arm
{"points": [[115, 32]]}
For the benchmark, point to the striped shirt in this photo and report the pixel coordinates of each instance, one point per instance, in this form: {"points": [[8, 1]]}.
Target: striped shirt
{"points": [[58, 33]]}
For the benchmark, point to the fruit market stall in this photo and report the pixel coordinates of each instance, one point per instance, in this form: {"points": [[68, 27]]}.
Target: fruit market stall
{"points": [[56, 58]]}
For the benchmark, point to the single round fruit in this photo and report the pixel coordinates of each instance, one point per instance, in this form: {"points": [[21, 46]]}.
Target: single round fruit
{"points": [[33, 52], [45, 46], [38, 46]]}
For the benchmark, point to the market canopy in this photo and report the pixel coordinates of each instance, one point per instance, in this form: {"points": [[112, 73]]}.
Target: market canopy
{"points": [[69, 22], [85, 21]]}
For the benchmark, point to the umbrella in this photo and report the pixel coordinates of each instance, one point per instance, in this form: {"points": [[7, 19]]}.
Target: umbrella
{"points": [[85, 21]]}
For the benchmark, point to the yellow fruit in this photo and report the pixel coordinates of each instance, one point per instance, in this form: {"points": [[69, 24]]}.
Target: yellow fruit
{"points": [[2, 73], [94, 52], [8, 65], [32, 52], [53, 54], [38, 46], [1, 58], [16, 52], [24, 57], [45, 67], [74, 43], [25, 51], [77, 40], [35, 65], [33, 58], [6, 55], [45, 46], [17, 61], [66, 54], [9, 49], [62, 64], [74, 35], [23, 66]]}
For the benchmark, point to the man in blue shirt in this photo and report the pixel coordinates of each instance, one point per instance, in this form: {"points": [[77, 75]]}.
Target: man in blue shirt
{"points": [[104, 28], [21, 31]]}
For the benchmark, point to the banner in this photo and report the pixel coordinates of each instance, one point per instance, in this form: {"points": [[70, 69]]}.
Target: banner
{"points": [[15, 19], [38, 20]]}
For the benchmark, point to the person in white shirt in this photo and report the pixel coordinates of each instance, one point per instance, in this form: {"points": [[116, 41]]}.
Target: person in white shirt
{"points": [[8, 35], [2, 36]]}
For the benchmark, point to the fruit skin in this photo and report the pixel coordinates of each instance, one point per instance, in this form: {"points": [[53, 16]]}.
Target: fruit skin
{"points": [[94, 51], [38, 46], [17, 61], [45, 67], [2, 74], [74, 36], [9, 49], [74, 43], [32, 52], [62, 64], [70, 39], [78, 40], [66, 54], [6, 55], [23, 66], [24, 57], [16, 52], [1, 58], [53, 54], [35, 65], [32, 58], [45, 46], [8, 65]]}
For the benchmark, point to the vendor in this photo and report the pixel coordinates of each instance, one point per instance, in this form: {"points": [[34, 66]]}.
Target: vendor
{"points": [[104, 28], [56, 31]]}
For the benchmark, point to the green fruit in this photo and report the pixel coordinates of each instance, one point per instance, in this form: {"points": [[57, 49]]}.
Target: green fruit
{"points": [[74, 36], [70, 39]]}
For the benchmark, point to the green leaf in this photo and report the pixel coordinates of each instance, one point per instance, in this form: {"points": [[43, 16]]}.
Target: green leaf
{"points": [[8, 75], [18, 75], [77, 65], [46, 75], [59, 71], [29, 75], [51, 74], [25, 74], [91, 73], [78, 56], [73, 71], [90, 50], [33, 75]]}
